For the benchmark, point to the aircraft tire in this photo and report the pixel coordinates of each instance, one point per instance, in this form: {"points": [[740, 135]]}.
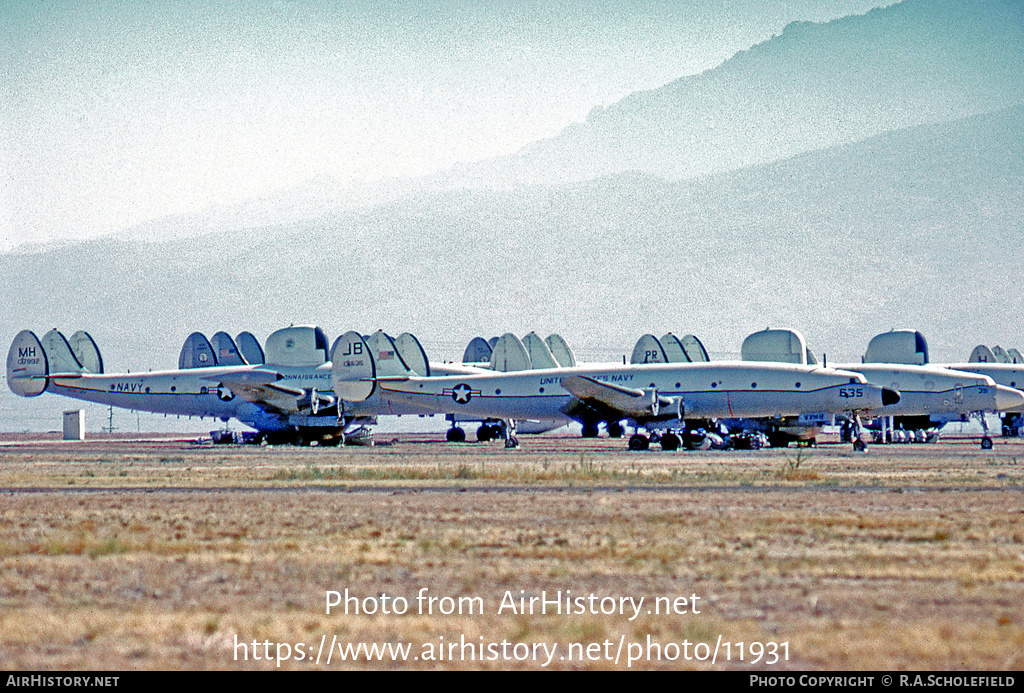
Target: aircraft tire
{"points": [[639, 442], [986, 443], [590, 430], [859, 445], [615, 429], [455, 435], [669, 442]]}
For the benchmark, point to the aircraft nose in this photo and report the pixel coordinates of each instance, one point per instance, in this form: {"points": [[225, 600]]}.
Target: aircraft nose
{"points": [[890, 396], [1009, 399]]}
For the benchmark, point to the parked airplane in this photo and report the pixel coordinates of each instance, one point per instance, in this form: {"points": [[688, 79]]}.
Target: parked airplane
{"points": [[1005, 368], [286, 397], [505, 354], [651, 395], [930, 395]]}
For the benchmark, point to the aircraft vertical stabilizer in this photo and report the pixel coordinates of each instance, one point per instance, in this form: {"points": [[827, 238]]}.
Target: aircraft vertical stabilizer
{"points": [[86, 352], [540, 354], [26, 365], [982, 354], [509, 354], [59, 357], [352, 368], [250, 349], [197, 352], [411, 351], [648, 350], [477, 351], [226, 350], [694, 349], [387, 360], [674, 352], [561, 351], [297, 345]]}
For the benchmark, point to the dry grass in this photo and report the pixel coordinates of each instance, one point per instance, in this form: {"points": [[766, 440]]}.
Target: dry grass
{"points": [[904, 558]]}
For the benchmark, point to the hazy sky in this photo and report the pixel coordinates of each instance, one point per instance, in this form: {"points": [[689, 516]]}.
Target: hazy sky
{"points": [[113, 113]]}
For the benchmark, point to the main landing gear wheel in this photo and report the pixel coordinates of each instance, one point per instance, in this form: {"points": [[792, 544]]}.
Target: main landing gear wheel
{"points": [[986, 443], [615, 429], [670, 441], [859, 445], [455, 435], [487, 432], [638, 441]]}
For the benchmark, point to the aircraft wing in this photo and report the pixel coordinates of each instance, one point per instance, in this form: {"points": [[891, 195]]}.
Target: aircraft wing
{"points": [[624, 401], [262, 389]]}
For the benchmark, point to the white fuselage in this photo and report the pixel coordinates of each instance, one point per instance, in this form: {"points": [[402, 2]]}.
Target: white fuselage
{"points": [[927, 390], [696, 390], [200, 392]]}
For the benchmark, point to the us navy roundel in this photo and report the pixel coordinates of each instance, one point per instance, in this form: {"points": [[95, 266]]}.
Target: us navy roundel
{"points": [[461, 393]]}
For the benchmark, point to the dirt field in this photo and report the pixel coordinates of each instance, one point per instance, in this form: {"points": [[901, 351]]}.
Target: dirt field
{"points": [[564, 554]]}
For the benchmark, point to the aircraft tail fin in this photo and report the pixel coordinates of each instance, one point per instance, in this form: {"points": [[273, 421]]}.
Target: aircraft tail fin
{"points": [[353, 371], [197, 352], [250, 349], [694, 349], [648, 350], [477, 351], [674, 351], [27, 367], [226, 350], [508, 354], [59, 357], [413, 354], [539, 352], [561, 351], [83, 346], [981, 354], [387, 359]]}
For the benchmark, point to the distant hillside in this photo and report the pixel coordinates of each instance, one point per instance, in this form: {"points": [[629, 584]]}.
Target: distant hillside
{"points": [[919, 227], [814, 86]]}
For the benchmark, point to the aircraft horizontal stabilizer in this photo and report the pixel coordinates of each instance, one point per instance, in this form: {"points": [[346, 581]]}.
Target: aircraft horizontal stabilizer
{"points": [[628, 401]]}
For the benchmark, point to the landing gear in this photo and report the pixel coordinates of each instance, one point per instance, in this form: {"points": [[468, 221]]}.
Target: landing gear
{"points": [[986, 443], [455, 435], [615, 429], [488, 432], [590, 430], [639, 441], [669, 442], [508, 430]]}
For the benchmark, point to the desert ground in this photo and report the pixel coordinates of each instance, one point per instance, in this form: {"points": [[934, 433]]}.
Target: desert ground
{"points": [[170, 553]]}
